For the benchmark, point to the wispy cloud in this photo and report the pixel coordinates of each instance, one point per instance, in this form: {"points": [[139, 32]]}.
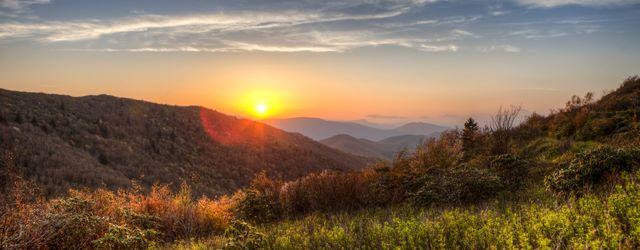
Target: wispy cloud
{"points": [[531, 33], [461, 32], [20, 4], [438, 48], [503, 48], [219, 22], [325, 26], [556, 3], [281, 31], [240, 46]]}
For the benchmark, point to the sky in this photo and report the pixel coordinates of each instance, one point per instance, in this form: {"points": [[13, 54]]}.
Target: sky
{"points": [[382, 61]]}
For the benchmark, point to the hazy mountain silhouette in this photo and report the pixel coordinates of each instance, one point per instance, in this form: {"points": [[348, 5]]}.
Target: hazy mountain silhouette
{"points": [[319, 129], [375, 125], [383, 149], [410, 142], [418, 128], [64, 142], [357, 146]]}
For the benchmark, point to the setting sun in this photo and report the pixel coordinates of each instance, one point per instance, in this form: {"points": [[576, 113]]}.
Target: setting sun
{"points": [[261, 103], [261, 109]]}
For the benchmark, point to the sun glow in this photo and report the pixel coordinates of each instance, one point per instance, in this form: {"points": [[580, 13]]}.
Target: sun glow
{"points": [[261, 104], [261, 109]]}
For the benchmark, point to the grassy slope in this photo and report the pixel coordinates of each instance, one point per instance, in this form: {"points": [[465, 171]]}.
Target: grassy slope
{"points": [[538, 221], [610, 221]]}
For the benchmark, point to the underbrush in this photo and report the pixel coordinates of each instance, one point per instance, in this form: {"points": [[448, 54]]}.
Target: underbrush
{"points": [[105, 219], [591, 167], [610, 222]]}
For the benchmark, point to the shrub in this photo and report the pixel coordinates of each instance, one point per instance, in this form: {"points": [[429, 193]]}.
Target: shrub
{"points": [[119, 237], [241, 235], [214, 216], [255, 206], [459, 185], [591, 166], [330, 191], [511, 169], [545, 149], [534, 126], [606, 123], [74, 222], [21, 226], [443, 152], [179, 215], [260, 202]]}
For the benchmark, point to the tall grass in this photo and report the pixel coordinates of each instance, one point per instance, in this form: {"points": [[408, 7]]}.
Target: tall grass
{"points": [[106, 219], [596, 222]]}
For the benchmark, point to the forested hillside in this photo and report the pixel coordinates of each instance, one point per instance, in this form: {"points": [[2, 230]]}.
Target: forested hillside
{"points": [[64, 142]]}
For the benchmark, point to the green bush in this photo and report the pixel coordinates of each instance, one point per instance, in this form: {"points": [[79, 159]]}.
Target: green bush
{"points": [[120, 237], [139, 220], [511, 169], [545, 149], [591, 166], [458, 185], [606, 123], [241, 235], [256, 207]]}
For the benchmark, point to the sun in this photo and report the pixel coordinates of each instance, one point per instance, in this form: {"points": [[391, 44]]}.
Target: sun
{"points": [[261, 109], [260, 104]]}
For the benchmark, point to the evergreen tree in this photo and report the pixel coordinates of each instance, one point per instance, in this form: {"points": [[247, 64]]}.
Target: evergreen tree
{"points": [[469, 137]]}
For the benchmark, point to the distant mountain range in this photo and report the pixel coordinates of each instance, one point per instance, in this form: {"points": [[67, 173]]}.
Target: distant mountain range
{"points": [[383, 149], [319, 129], [63, 142]]}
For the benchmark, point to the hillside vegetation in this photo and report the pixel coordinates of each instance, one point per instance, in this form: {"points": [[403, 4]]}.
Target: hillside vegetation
{"points": [[63, 142], [567, 180]]}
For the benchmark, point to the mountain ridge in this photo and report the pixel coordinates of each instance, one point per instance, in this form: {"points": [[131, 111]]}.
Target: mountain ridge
{"points": [[384, 149], [319, 129]]}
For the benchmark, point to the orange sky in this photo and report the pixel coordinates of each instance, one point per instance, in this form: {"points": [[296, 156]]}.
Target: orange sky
{"points": [[345, 86]]}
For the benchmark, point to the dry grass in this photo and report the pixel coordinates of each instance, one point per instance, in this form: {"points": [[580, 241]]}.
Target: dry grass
{"points": [[128, 219]]}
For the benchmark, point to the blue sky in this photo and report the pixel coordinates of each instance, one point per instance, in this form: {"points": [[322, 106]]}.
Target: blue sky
{"points": [[315, 26], [571, 46]]}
